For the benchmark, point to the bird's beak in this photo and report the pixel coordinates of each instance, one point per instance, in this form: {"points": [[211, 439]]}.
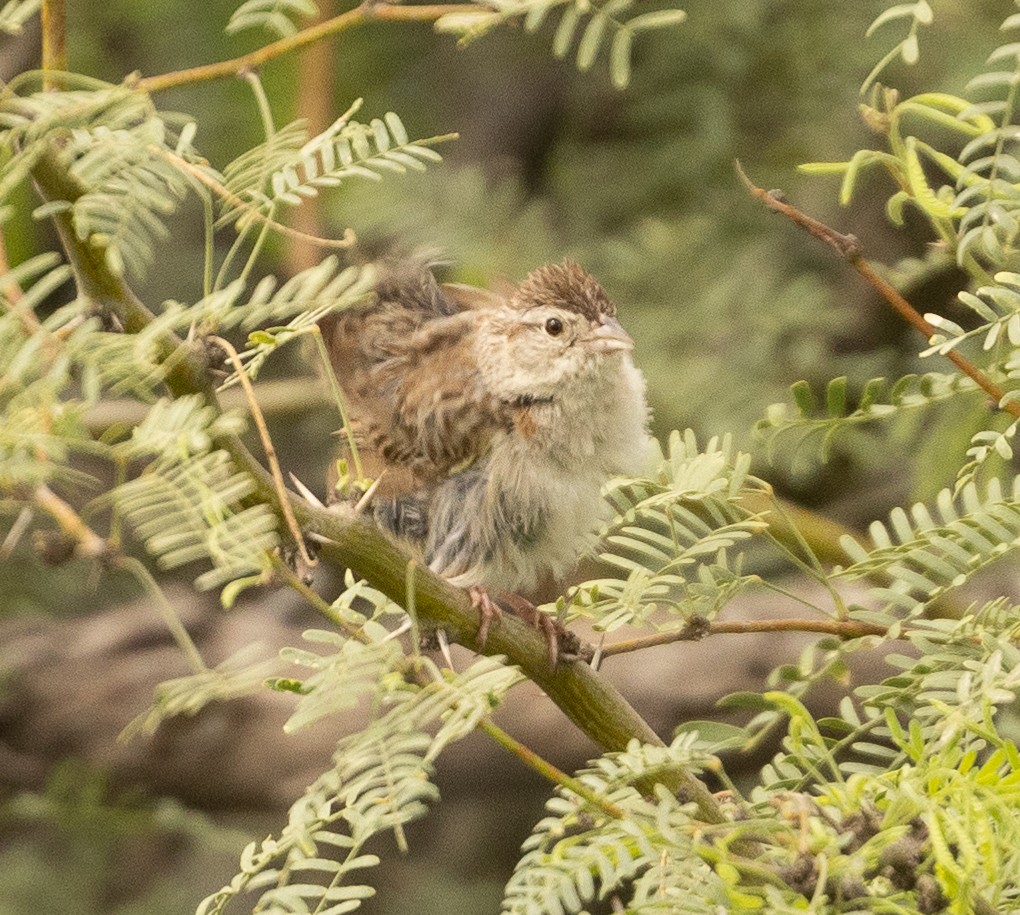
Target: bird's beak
{"points": [[608, 337]]}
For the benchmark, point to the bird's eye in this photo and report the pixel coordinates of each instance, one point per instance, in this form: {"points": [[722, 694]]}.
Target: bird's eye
{"points": [[554, 327]]}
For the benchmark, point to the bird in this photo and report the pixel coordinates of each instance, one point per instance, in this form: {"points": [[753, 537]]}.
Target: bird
{"points": [[490, 422]]}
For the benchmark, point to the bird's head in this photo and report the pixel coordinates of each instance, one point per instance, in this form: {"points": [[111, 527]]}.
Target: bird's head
{"points": [[558, 329]]}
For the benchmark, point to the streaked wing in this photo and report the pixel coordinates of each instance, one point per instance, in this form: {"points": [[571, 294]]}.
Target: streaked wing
{"points": [[408, 371], [444, 418]]}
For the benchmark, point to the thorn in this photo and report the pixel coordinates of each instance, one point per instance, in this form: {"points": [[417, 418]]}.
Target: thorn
{"points": [[444, 647], [367, 497], [306, 492], [399, 631], [19, 527]]}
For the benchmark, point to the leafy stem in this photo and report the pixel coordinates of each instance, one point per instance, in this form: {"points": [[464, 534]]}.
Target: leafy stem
{"points": [[250, 210], [270, 449], [524, 753]]}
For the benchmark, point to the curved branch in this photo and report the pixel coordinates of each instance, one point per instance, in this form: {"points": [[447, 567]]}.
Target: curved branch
{"points": [[366, 12], [848, 247], [252, 211]]}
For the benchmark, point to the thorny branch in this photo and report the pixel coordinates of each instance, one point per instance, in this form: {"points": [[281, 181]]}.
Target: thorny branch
{"points": [[699, 628], [848, 247]]}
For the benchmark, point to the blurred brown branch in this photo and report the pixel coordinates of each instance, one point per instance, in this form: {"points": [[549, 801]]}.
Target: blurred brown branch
{"points": [[284, 396], [54, 38], [847, 247], [316, 99], [366, 12]]}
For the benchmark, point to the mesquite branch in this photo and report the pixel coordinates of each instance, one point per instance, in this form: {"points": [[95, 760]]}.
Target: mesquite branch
{"points": [[847, 247], [699, 628]]}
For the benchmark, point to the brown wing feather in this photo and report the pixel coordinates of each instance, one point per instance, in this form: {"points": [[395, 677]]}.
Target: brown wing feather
{"points": [[407, 369]]}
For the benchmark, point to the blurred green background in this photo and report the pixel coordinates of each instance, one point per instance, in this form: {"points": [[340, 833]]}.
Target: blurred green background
{"points": [[728, 305]]}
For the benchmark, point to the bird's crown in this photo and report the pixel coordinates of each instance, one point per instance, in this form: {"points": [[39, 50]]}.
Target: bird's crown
{"points": [[567, 286]]}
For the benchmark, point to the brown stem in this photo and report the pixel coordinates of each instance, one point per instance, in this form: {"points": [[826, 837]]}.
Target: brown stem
{"points": [[699, 628], [87, 542], [54, 38], [847, 247], [268, 447], [366, 12]]}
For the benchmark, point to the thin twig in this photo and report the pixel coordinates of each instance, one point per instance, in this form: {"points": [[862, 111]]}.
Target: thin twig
{"points": [[318, 601], [265, 109], [250, 209], [270, 449], [366, 12], [848, 247], [173, 622], [18, 528], [547, 770], [341, 404], [87, 542], [13, 293], [814, 567], [699, 628]]}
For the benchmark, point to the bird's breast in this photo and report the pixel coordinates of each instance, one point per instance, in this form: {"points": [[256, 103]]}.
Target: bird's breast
{"points": [[524, 422]]}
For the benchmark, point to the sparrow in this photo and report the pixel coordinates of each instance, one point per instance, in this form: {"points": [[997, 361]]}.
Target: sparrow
{"points": [[491, 422]]}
